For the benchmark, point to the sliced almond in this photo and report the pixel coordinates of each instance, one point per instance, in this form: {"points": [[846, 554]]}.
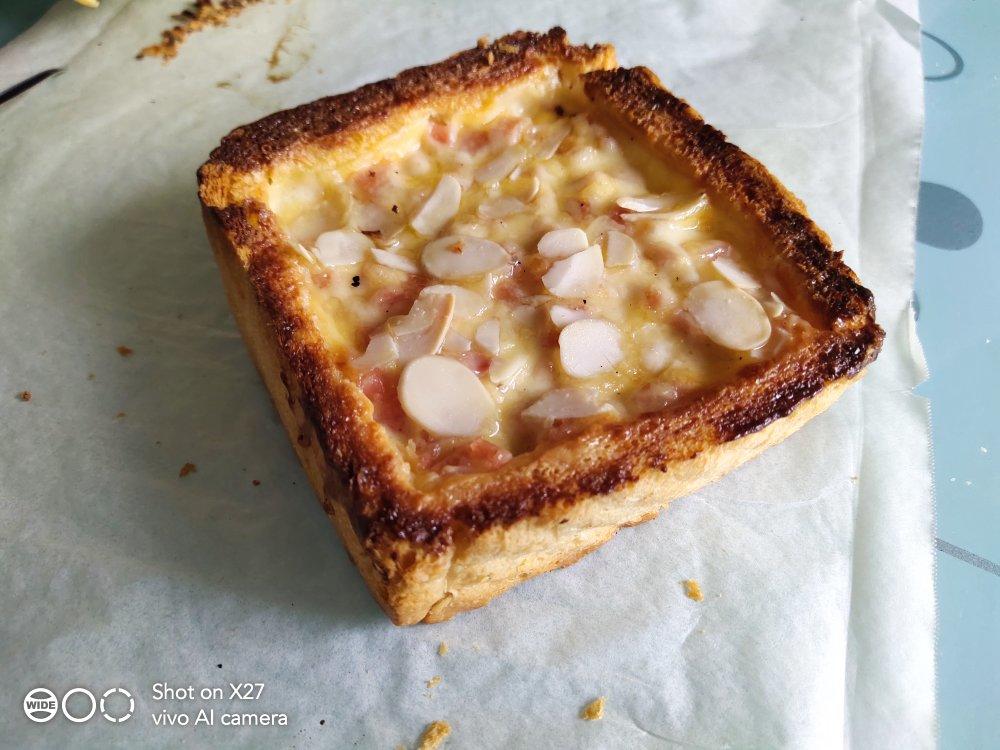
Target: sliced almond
{"points": [[501, 166], [487, 336], [504, 369], [468, 304], [655, 350], [654, 397], [589, 347], [729, 316], [562, 316], [674, 217], [730, 270], [500, 207], [622, 250], [391, 260], [422, 330], [445, 397], [577, 275], [708, 249], [774, 306], [382, 350], [645, 203], [548, 146], [568, 403], [439, 208], [561, 243], [458, 257], [600, 227], [455, 342], [341, 247]]}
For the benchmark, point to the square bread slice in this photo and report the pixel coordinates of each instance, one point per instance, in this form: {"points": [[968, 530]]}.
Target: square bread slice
{"points": [[511, 302]]}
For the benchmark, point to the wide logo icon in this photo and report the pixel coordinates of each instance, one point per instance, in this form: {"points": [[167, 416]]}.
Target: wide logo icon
{"points": [[40, 705]]}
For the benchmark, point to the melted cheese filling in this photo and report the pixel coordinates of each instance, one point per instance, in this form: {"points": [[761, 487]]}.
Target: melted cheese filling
{"points": [[515, 274]]}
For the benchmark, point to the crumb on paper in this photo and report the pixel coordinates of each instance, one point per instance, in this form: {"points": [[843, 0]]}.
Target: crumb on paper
{"points": [[594, 710], [200, 15], [434, 735], [983, 449], [692, 590], [293, 50], [442, 648], [24, 395], [125, 351], [433, 682], [188, 468]]}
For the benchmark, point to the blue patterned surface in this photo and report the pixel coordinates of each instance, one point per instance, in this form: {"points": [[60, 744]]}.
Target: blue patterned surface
{"points": [[958, 286]]}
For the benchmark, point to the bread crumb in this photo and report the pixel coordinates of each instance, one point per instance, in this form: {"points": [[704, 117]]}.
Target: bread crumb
{"points": [[692, 590], [24, 395], [442, 648], [434, 735], [433, 682], [200, 15], [593, 710], [188, 468], [125, 351]]}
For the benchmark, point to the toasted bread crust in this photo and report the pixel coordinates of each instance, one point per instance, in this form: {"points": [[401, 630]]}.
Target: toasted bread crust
{"points": [[409, 537]]}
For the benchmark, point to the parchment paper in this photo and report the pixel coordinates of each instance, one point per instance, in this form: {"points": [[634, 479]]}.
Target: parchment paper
{"points": [[816, 560]]}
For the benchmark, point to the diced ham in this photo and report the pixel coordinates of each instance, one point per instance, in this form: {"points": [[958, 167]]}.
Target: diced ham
{"points": [[442, 133], [473, 141], [475, 361], [380, 388], [398, 300], [323, 279], [475, 456]]}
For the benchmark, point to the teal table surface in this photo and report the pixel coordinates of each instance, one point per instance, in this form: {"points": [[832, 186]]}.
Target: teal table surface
{"points": [[957, 300]]}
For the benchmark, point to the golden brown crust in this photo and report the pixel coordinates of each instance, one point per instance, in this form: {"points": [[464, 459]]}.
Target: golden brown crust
{"points": [[414, 545]]}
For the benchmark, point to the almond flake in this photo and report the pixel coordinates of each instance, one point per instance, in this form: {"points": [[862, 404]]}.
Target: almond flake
{"points": [[487, 336], [457, 257], [729, 316], [622, 250], [505, 369], [445, 397], [439, 208], [561, 243], [494, 171], [734, 273], [341, 247], [468, 304], [382, 350], [391, 260], [562, 316], [646, 203], [500, 207], [774, 306], [422, 331], [577, 275], [568, 403], [589, 347], [655, 350]]}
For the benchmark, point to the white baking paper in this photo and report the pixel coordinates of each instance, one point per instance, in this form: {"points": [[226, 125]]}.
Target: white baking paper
{"points": [[815, 560]]}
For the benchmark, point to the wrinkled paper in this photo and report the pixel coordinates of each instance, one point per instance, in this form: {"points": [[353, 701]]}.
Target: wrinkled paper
{"points": [[816, 629]]}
